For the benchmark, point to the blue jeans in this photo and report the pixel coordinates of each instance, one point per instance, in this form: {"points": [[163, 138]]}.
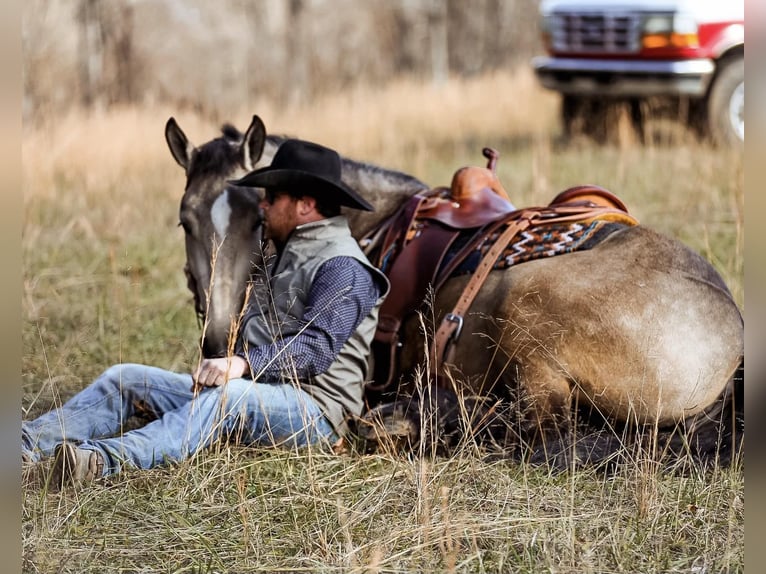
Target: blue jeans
{"points": [[243, 410]]}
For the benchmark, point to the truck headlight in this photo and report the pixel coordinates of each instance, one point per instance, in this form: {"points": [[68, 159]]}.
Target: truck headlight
{"points": [[669, 31]]}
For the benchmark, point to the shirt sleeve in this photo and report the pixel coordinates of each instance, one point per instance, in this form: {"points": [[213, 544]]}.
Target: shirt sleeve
{"points": [[342, 295]]}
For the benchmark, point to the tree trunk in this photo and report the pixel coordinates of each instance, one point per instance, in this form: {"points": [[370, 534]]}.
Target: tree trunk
{"points": [[437, 27]]}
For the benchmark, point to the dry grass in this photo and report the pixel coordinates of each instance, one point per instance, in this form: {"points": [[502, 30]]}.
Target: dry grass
{"points": [[264, 510], [400, 127], [103, 284]]}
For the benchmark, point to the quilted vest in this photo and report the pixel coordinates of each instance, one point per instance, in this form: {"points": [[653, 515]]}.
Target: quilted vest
{"points": [[338, 391]]}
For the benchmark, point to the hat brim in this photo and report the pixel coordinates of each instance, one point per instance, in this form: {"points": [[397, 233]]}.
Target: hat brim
{"points": [[293, 180]]}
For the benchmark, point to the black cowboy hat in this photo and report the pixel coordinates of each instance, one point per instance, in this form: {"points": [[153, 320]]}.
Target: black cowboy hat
{"points": [[306, 168]]}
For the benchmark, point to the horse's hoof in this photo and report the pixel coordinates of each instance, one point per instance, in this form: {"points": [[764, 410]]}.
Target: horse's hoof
{"points": [[387, 428]]}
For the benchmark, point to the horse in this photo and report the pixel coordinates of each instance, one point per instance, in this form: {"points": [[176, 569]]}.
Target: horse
{"points": [[638, 331]]}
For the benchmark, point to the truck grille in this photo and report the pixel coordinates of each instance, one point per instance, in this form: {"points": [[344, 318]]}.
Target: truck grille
{"points": [[596, 32]]}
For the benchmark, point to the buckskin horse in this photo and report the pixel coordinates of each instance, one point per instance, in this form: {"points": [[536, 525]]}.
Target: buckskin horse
{"points": [[624, 328]]}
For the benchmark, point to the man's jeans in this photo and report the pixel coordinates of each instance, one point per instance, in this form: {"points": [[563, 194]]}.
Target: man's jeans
{"points": [[243, 410]]}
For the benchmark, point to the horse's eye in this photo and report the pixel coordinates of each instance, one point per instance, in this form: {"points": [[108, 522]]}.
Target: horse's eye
{"points": [[185, 225]]}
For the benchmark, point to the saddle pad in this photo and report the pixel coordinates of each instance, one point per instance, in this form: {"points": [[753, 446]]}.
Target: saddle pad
{"points": [[536, 243]]}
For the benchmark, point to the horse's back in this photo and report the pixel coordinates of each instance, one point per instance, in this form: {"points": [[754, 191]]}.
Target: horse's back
{"points": [[639, 326]]}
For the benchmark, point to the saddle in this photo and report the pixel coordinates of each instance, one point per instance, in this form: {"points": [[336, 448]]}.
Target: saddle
{"points": [[475, 197], [417, 251]]}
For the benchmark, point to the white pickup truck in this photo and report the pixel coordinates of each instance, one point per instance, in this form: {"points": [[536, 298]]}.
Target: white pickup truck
{"points": [[690, 53]]}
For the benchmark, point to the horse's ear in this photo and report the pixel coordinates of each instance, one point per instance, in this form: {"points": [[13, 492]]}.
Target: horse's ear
{"points": [[179, 145], [253, 142]]}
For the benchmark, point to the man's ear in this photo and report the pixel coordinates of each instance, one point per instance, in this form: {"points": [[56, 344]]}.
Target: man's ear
{"points": [[307, 204]]}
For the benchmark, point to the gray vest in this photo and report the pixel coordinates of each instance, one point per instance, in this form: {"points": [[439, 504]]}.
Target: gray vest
{"points": [[338, 391]]}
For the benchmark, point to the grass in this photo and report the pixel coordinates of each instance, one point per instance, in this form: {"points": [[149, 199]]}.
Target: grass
{"points": [[103, 283], [238, 510]]}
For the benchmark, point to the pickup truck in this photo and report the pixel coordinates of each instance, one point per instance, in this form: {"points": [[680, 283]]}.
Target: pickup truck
{"points": [[688, 53]]}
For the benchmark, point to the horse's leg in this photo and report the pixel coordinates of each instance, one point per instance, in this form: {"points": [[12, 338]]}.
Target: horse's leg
{"points": [[432, 418], [541, 408], [391, 427]]}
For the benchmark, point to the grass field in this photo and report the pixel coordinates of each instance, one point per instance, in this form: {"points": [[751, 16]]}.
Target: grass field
{"points": [[103, 284]]}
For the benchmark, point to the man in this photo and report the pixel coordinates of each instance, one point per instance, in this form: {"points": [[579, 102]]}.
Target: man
{"points": [[299, 365]]}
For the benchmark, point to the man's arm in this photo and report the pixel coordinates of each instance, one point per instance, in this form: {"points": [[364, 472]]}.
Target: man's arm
{"points": [[342, 295]]}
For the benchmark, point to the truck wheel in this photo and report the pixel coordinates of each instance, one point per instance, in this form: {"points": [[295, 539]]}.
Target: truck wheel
{"points": [[726, 104]]}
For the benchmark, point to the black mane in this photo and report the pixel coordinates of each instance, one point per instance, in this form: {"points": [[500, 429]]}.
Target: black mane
{"points": [[231, 133]]}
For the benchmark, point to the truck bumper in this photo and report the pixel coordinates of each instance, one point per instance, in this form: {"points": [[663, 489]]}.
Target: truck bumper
{"points": [[624, 78]]}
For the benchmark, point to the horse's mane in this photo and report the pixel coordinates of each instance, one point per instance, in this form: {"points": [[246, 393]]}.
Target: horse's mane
{"points": [[218, 155], [231, 133]]}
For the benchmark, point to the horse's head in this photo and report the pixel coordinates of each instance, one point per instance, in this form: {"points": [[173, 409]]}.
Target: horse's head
{"points": [[221, 223]]}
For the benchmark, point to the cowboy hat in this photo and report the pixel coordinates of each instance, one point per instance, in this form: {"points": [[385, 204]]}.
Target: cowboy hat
{"points": [[306, 168]]}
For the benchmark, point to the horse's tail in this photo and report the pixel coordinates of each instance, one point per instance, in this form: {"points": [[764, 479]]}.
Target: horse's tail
{"points": [[733, 417], [716, 434]]}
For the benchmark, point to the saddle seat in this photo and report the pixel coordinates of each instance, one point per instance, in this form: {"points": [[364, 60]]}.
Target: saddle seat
{"points": [[475, 198]]}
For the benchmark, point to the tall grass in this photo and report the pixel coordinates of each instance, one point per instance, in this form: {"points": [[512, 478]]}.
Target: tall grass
{"points": [[103, 283]]}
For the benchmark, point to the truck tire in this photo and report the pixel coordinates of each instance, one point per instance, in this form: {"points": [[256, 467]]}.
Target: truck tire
{"points": [[726, 104]]}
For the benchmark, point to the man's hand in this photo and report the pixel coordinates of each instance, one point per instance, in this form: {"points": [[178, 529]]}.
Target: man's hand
{"points": [[216, 372]]}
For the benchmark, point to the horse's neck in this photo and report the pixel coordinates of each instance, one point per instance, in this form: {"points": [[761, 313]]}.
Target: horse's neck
{"points": [[385, 189], [385, 203]]}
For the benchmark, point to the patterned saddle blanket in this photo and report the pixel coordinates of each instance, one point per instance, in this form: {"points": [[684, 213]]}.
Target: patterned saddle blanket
{"points": [[535, 243]]}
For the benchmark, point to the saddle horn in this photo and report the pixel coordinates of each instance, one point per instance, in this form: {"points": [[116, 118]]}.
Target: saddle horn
{"points": [[492, 156]]}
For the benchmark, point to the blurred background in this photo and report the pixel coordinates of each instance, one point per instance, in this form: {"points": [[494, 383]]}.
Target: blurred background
{"points": [[213, 57], [419, 86]]}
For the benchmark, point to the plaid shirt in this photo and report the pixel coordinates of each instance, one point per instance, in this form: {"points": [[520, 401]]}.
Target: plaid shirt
{"points": [[329, 321]]}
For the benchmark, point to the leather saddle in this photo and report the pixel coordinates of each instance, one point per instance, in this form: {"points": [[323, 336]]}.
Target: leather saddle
{"points": [[475, 197], [416, 241]]}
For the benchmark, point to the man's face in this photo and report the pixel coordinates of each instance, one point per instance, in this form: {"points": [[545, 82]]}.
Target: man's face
{"points": [[280, 212]]}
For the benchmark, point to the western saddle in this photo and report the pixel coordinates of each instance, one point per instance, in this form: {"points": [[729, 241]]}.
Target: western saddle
{"points": [[415, 248]]}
